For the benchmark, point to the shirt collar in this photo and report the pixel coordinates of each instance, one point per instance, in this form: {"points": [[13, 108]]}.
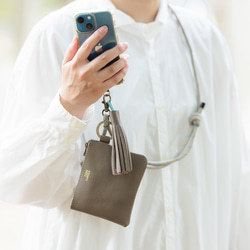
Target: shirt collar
{"points": [[163, 12], [123, 19]]}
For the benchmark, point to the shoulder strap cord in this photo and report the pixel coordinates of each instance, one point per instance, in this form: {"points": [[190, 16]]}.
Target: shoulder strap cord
{"points": [[194, 119]]}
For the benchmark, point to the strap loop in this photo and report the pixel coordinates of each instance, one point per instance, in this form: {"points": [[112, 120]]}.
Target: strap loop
{"points": [[195, 119]]}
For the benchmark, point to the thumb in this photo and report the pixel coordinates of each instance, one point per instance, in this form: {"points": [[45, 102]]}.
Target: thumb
{"points": [[71, 51]]}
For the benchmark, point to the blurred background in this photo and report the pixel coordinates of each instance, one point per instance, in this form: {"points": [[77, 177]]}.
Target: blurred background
{"points": [[17, 17]]}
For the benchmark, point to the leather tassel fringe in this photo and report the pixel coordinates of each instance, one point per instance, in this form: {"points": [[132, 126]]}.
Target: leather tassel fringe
{"points": [[121, 162]]}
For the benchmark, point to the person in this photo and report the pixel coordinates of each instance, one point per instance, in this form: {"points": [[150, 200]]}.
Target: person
{"points": [[52, 109]]}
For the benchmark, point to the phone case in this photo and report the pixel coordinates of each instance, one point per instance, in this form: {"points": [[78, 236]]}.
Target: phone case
{"points": [[87, 23]]}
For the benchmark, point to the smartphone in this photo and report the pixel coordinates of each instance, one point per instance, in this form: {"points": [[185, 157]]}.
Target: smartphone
{"points": [[87, 23]]}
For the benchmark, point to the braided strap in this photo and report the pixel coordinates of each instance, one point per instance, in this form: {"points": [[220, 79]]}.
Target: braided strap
{"points": [[195, 118]]}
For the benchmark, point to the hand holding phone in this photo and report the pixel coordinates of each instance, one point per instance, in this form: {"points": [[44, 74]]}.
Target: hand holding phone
{"points": [[87, 23], [84, 81]]}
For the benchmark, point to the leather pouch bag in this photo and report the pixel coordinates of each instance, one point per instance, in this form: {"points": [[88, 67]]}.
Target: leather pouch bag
{"points": [[103, 194]]}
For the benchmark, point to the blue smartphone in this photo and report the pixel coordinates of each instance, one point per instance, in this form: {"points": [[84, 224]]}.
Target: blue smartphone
{"points": [[87, 23]]}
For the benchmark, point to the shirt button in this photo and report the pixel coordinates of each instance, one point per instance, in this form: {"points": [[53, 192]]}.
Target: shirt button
{"points": [[67, 137], [169, 210], [147, 31], [74, 125], [152, 55], [160, 107]]}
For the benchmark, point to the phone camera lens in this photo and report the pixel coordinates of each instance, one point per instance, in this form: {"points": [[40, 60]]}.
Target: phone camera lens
{"points": [[89, 26], [80, 20]]}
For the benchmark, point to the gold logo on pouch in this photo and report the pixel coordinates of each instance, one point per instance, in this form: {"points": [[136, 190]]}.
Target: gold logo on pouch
{"points": [[86, 175]]}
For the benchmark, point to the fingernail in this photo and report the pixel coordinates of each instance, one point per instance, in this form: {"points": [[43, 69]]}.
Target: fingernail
{"points": [[123, 45], [125, 57], [125, 69], [75, 40], [103, 29]]}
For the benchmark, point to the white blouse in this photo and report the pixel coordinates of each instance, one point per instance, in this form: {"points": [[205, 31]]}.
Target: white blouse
{"points": [[191, 205]]}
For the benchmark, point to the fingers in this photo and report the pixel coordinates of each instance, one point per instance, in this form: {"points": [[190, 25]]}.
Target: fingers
{"points": [[83, 72], [71, 51], [86, 48], [114, 68], [115, 78], [106, 57]]}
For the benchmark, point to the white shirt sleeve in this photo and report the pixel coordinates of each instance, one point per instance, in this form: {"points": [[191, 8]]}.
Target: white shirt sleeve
{"points": [[229, 125], [40, 145], [39, 160]]}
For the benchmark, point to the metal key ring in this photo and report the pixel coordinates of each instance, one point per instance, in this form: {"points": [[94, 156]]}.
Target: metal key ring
{"points": [[98, 128]]}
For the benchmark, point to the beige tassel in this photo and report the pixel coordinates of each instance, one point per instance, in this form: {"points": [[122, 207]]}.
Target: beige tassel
{"points": [[121, 162]]}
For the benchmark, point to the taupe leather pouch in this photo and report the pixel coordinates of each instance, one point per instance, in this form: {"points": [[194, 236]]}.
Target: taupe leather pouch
{"points": [[102, 194]]}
